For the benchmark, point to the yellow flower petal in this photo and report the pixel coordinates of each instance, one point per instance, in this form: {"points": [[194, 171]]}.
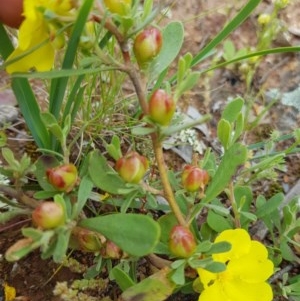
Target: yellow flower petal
{"points": [[253, 267], [214, 292], [41, 59], [240, 244], [206, 277], [238, 290]]}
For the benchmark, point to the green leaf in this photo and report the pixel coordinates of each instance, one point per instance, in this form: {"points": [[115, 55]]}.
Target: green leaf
{"points": [[104, 177], [217, 222], [216, 267], [31, 112], [270, 206], [8, 215], [219, 247], [233, 109], [286, 251], [59, 86], [6, 47], [122, 278], [85, 188], [249, 216], [156, 287], [186, 84], [9, 157], [239, 127], [142, 130], [52, 124], [235, 156], [61, 247], [43, 195], [114, 148], [224, 132], [229, 50], [135, 234], [178, 276], [166, 222], [173, 35]]}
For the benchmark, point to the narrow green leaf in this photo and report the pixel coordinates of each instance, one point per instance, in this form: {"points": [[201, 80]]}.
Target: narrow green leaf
{"points": [[233, 109], [248, 215], [85, 188], [235, 156], [6, 46], [232, 25], [178, 275], [271, 205], [253, 54], [224, 132], [219, 247], [217, 222], [135, 234], [239, 127], [31, 112], [187, 84], [8, 215], [53, 126], [142, 131], [122, 278], [156, 287], [61, 247], [58, 86], [74, 100]]}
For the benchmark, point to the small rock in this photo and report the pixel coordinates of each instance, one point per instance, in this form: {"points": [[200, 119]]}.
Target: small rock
{"points": [[8, 114], [7, 97]]}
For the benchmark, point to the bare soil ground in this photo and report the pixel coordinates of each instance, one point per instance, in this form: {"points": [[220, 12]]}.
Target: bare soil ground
{"points": [[35, 279]]}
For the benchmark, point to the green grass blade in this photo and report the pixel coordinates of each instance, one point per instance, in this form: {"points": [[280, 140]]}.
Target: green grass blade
{"points": [[252, 54], [232, 25], [6, 46], [25, 97], [31, 112], [58, 86]]}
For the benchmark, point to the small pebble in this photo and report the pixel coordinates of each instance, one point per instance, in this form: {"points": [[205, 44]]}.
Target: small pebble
{"points": [[8, 114]]}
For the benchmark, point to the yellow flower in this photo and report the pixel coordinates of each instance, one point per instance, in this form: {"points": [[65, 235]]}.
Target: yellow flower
{"points": [[9, 292], [120, 7], [34, 30], [247, 269]]}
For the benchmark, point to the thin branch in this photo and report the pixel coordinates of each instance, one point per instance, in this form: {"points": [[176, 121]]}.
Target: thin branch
{"points": [[20, 197]]}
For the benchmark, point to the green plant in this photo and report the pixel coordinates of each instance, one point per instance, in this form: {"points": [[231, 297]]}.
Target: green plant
{"points": [[217, 187]]}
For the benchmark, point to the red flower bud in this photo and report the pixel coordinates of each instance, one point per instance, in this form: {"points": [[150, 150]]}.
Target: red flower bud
{"points": [[11, 12], [132, 167], [120, 7], [182, 242], [161, 107], [63, 177], [194, 178], [87, 240], [48, 215], [147, 45], [112, 251]]}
